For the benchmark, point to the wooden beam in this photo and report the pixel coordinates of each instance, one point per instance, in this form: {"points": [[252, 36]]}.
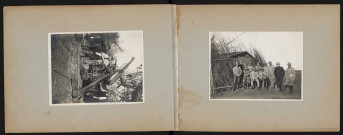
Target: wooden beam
{"points": [[222, 59], [221, 87]]}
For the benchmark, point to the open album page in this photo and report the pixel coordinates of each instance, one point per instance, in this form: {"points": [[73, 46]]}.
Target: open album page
{"points": [[258, 68], [89, 68]]}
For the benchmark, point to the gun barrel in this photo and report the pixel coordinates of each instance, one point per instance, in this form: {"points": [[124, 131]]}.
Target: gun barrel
{"points": [[118, 74]]}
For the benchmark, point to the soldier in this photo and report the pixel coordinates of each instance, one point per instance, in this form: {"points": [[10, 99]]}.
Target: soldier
{"points": [[95, 94], [246, 78], [289, 77], [254, 77], [236, 75], [270, 75], [105, 60], [279, 73], [262, 77], [258, 66], [102, 60], [241, 77]]}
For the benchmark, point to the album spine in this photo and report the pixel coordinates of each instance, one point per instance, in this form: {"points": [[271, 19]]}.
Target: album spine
{"points": [[176, 21]]}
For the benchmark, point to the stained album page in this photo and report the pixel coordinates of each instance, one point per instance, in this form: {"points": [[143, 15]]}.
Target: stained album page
{"points": [[242, 66], [88, 68], [258, 68]]}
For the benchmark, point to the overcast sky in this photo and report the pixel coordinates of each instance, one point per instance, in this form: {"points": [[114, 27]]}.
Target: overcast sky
{"points": [[280, 47], [132, 44]]}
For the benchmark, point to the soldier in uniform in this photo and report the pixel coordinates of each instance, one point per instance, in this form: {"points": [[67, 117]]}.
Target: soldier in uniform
{"points": [[270, 75], [262, 77], [246, 78], [289, 78], [242, 75], [236, 75], [258, 66], [279, 73], [254, 77]]}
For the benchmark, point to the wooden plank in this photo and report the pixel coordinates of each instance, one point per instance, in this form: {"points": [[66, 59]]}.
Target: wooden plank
{"points": [[221, 59], [78, 66], [222, 87]]}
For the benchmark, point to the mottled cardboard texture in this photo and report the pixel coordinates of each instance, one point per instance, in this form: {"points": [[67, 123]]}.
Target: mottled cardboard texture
{"points": [[175, 52], [187, 99], [177, 19], [319, 111], [26, 74], [176, 37], [26, 31]]}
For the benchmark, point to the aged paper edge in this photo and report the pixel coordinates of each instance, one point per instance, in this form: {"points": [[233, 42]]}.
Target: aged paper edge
{"points": [[279, 130], [8, 77], [176, 27], [78, 104]]}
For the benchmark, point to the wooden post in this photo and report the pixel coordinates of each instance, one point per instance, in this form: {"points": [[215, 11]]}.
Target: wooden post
{"points": [[83, 39]]}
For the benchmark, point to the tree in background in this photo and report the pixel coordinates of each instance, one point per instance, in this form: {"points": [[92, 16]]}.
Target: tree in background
{"points": [[224, 46], [258, 56]]}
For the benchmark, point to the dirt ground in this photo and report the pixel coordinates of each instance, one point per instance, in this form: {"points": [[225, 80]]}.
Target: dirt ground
{"points": [[263, 93], [64, 70]]}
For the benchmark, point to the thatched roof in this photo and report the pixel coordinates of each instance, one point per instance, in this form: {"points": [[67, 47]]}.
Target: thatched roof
{"points": [[238, 54]]}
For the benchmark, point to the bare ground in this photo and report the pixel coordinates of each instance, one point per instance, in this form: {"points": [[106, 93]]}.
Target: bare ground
{"points": [[262, 93], [65, 71]]}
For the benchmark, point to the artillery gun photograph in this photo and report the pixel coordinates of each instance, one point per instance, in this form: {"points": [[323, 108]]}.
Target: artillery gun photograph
{"points": [[95, 67]]}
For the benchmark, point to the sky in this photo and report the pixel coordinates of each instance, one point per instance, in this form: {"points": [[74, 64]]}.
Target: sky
{"points": [[280, 47], [132, 44]]}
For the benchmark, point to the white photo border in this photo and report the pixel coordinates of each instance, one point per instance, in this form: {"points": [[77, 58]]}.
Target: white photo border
{"points": [[209, 71], [103, 103]]}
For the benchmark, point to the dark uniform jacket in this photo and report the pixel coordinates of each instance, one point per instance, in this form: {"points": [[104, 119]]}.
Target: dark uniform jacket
{"points": [[279, 72], [242, 68]]}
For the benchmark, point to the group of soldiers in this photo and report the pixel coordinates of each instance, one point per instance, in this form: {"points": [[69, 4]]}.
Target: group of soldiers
{"points": [[266, 77], [104, 64]]}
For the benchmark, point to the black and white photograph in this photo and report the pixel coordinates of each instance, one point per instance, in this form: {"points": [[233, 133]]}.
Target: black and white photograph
{"points": [[96, 67], [256, 65]]}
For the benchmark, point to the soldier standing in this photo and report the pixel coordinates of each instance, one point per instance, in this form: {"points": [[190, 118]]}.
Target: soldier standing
{"points": [[279, 73], [246, 78], [289, 77], [236, 75], [270, 75], [241, 76]]}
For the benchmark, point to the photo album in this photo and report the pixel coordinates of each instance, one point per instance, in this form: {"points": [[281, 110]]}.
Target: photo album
{"points": [[115, 68]]}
